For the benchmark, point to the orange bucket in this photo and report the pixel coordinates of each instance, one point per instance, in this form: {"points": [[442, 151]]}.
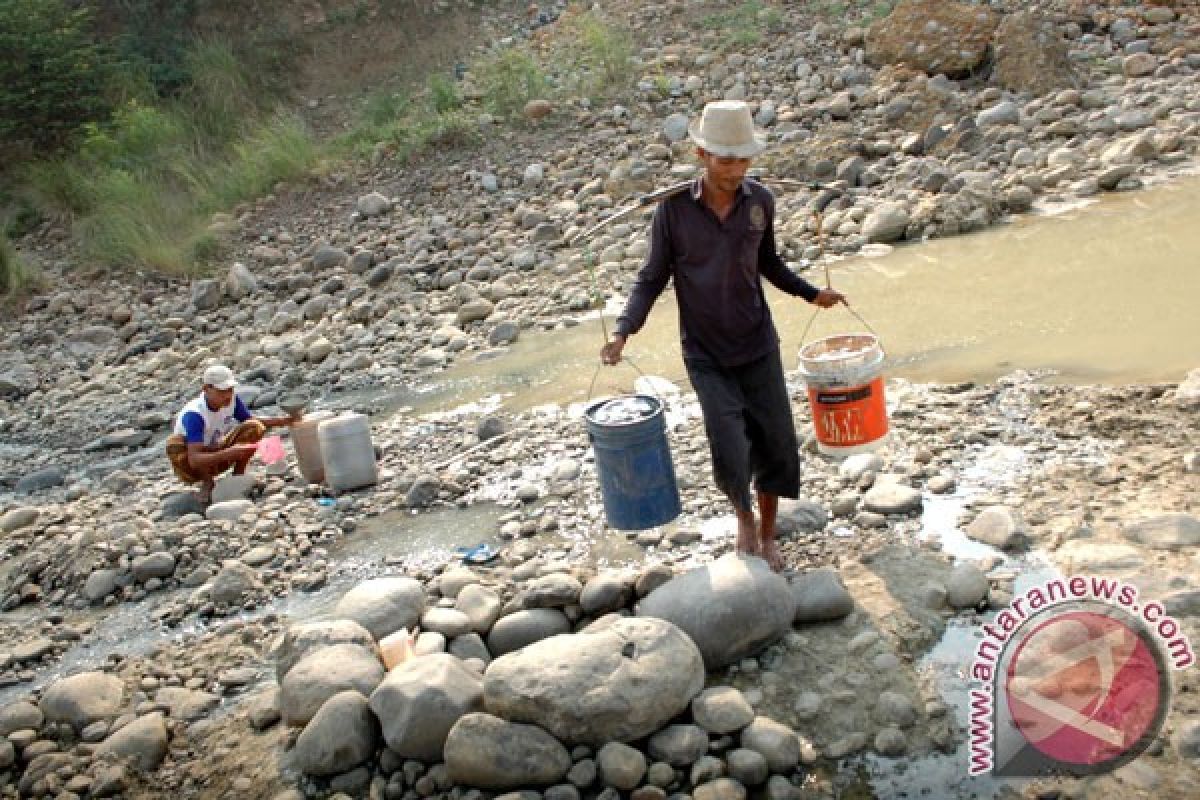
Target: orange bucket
{"points": [[845, 392]]}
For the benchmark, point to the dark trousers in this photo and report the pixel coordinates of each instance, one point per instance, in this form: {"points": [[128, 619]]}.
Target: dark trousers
{"points": [[748, 419]]}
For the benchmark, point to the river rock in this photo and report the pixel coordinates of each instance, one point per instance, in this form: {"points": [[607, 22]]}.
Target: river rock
{"points": [[185, 704], [967, 587], [887, 223], [301, 639], [731, 608], [206, 294], [607, 591], [620, 766], [936, 36], [240, 281], [100, 584], [42, 479], [778, 743], [447, 621], [20, 715], [144, 741], [616, 682], [720, 789], [820, 596], [234, 583], [1085, 555], [373, 204], [855, 466], [19, 379], [678, 745], [180, 504], [1186, 740], [339, 737], [481, 605], [17, 518], [892, 498], [383, 605], [154, 565], [1173, 531], [328, 258], [451, 582], [323, 673], [419, 704], [555, 590], [490, 753], [516, 630], [801, 516], [230, 510], [722, 709], [1030, 55], [999, 526], [748, 767]]}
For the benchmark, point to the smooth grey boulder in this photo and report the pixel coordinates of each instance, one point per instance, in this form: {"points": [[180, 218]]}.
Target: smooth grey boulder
{"points": [[17, 518], [555, 590], [523, 628], [892, 498], [20, 716], [100, 584], [342, 735], [419, 704], [678, 745], [748, 767], [451, 582], [185, 704], [301, 639], [887, 223], [820, 596], [83, 699], [144, 741], [778, 743], [449, 622], [46, 478], [722, 709], [481, 605], [233, 583], [153, 565], [801, 516], [620, 766], [731, 608], [491, 753], [608, 591], [1174, 531], [326, 258], [966, 587], [374, 204], [1001, 527], [383, 605], [323, 673], [619, 682]]}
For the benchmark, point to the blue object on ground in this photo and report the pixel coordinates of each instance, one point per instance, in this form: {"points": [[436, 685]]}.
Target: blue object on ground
{"points": [[326, 501], [479, 554]]}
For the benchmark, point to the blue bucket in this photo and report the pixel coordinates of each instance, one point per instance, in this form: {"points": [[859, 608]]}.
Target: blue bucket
{"points": [[633, 463]]}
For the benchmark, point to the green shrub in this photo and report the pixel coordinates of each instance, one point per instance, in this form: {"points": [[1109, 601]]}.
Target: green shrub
{"points": [[53, 73], [13, 274], [220, 94], [509, 80], [600, 56], [443, 94]]}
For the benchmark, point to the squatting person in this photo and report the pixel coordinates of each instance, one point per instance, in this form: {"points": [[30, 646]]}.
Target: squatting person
{"points": [[215, 431]]}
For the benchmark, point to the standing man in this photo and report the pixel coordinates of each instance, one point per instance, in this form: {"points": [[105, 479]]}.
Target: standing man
{"points": [[215, 431], [716, 241]]}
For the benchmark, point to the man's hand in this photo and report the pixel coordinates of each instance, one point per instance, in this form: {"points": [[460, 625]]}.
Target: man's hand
{"points": [[611, 353], [827, 298]]}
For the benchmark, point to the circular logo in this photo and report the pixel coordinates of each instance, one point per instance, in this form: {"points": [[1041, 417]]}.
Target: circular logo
{"points": [[1087, 689], [758, 218]]}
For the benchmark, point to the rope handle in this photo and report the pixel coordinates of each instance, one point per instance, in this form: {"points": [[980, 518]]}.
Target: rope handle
{"points": [[820, 216], [628, 360]]}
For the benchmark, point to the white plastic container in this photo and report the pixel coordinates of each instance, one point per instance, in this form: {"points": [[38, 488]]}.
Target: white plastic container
{"points": [[347, 451], [308, 448]]}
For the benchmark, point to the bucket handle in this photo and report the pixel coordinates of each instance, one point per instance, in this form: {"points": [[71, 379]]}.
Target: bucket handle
{"points": [[813, 318], [627, 359]]}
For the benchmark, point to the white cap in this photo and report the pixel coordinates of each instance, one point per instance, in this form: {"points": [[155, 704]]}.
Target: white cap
{"points": [[219, 376]]}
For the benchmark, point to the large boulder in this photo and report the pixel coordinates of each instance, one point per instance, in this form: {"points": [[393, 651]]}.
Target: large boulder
{"points": [[1174, 531], [341, 735], [1001, 527], [1030, 55], [490, 753], [144, 741], [731, 608], [323, 673], [936, 36], [383, 605], [83, 699], [300, 640], [615, 682], [418, 704]]}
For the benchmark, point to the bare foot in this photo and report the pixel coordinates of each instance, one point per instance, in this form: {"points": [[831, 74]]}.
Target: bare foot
{"points": [[770, 551], [747, 535]]}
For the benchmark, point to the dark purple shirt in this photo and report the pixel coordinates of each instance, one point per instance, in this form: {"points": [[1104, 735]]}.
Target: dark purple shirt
{"points": [[717, 268]]}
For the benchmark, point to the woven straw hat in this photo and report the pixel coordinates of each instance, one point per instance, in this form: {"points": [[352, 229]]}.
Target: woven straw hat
{"points": [[725, 128]]}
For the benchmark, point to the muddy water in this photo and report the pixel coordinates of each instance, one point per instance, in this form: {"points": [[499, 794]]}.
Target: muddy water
{"points": [[1104, 293]]}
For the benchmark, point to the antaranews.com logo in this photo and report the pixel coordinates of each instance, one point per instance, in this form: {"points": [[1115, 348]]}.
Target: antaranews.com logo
{"points": [[1072, 678]]}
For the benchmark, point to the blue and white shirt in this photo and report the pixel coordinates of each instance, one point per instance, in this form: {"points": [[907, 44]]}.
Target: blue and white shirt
{"points": [[199, 424]]}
